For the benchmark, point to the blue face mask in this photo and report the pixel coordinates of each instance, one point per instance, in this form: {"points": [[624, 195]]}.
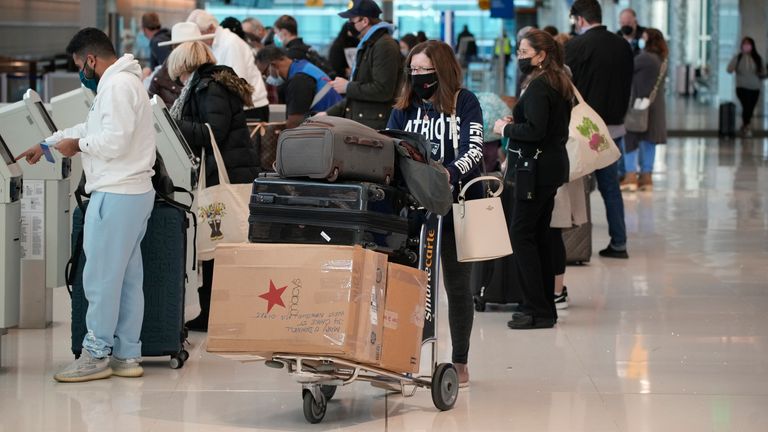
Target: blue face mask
{"points": [[641, 44], [91, 83], [278, 41], [275, 81]]}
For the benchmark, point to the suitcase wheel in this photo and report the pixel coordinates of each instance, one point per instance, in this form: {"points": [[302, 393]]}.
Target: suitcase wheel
{"points": [[479, 304], [177, 361]]}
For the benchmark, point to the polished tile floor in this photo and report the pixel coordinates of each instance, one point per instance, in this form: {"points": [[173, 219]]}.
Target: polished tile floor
{"points": [[673, 339]]}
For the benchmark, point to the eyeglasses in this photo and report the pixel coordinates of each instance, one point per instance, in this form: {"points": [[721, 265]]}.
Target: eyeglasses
{"points": [[418, 70]]}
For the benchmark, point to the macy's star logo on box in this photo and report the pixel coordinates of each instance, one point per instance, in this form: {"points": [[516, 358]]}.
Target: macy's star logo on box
{"points": [[274, 296]]}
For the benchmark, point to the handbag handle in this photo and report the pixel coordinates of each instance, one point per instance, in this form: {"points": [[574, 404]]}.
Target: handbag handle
{"points": [[482, 178], [223, 175]]}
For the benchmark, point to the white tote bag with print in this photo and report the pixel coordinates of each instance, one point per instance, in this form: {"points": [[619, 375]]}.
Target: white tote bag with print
{"points": [[590, 146], [222, 209]]}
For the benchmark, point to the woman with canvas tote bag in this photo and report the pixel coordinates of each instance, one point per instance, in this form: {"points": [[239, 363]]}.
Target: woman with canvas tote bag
{"points": [[538, 161], [431, 93], [210, 112]]}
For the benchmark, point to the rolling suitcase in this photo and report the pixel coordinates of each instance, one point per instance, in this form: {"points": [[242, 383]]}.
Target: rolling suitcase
{"points": [[727, 122], [375, 216], [335, 148], [164, 256], [578, 240]]}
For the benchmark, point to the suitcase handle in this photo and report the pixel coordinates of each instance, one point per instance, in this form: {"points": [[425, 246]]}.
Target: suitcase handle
{"points": [[364, 142], [274, 199]]}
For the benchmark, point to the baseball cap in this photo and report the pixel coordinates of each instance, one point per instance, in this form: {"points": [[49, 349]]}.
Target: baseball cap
{"points": [[362, 8]]}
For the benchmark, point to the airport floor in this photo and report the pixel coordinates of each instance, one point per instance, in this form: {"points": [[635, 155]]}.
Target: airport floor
{"points": [[673, 339]]}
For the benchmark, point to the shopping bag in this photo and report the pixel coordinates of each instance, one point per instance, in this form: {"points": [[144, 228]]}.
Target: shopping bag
{"points": [[223, 208], [480, 226], [590, 146]]}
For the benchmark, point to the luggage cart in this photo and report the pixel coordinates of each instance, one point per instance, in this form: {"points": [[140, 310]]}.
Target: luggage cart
{"points": [[320, 376]]}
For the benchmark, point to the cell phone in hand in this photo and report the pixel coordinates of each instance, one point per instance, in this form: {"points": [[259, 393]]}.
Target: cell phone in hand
{"points": [[47, 152]]}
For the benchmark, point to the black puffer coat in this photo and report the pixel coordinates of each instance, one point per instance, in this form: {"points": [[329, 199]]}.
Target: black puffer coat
{"points": [[217, 98]]}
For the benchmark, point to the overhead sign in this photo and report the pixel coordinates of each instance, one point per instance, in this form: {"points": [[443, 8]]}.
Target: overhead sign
{"points": [[503, 9], [314, 3]]}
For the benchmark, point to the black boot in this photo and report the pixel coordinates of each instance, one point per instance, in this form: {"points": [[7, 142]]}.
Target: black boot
{"points": [[200, 323]]}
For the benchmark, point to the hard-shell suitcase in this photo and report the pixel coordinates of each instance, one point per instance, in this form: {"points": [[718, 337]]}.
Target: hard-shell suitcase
{"points": [[335, 148], [492, 282], [578, 240], [164, 256], [727, 123], [306, 212]]}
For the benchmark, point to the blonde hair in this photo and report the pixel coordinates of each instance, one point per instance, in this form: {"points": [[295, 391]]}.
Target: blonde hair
{"points": [[187, 57]]}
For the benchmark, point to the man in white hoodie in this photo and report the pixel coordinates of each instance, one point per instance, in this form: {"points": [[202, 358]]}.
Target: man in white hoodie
{"points": [[234, 52], [117, 142]]}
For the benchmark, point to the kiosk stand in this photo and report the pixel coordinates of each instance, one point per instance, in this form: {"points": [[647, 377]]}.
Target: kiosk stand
{"points": [[70, 109], [45, 216], [10, 239], [183, 167]]}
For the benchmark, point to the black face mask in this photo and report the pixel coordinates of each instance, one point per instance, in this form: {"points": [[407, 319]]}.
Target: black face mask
{"points": [[627, 30], [424, 85], [353, 30], [525, 65]]}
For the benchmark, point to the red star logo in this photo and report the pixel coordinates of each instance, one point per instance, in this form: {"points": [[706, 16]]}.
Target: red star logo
{"points": [[274, 296]]}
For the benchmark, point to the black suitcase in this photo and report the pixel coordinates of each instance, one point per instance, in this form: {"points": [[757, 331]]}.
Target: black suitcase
{"points": [[164, 256], [335, 148], [375, 216], [727, 123]]}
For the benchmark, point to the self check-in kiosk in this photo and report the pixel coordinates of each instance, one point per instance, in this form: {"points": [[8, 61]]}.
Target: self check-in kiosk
{"points": [[183, 167], [45, 216], [70, 109], [10, 239]]}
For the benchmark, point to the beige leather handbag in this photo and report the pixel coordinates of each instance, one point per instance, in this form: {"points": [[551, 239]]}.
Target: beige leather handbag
{"points": [[480, 226]]}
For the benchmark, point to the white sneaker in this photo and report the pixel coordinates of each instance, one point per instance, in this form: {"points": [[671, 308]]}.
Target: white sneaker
{"points": [[85, 368], [130, 368], [561, 301]]}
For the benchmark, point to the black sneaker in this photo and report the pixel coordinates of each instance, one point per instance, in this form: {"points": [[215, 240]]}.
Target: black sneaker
{"points": [[561, 301], [522, 321], [610, 252]]}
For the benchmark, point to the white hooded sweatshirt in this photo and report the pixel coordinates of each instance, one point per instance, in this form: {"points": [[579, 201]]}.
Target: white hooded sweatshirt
{"points": [[117, 141]]}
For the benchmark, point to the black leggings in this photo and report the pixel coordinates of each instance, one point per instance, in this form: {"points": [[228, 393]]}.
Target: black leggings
{"points": [[461, 309], [748, 99], [558, 250]]}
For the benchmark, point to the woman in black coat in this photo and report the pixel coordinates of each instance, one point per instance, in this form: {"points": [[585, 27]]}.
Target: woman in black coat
{"points": [[215, 95], [537, 132]]}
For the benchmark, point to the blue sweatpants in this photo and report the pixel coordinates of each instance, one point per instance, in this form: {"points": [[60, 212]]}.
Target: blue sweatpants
{"points": [[113, 276]]}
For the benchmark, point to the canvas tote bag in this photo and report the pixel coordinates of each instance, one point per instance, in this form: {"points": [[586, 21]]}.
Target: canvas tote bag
{"points": [[479, 225], [223, 208], [590, 146]]}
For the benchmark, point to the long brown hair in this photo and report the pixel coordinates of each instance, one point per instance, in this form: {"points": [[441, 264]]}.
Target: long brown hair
{"points": [[448, 76], [656, 43], [552, 68]]}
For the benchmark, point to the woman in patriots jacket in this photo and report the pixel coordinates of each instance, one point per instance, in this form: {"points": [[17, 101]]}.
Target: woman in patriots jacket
{"points": [[430, 94]]}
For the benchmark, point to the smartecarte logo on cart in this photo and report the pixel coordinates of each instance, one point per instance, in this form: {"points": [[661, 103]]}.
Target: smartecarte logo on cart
{"points": [[213, 213], [589, 130]]}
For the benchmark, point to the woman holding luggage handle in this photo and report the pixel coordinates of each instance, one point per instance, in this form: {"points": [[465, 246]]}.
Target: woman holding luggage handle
{"points": [[431, 93], [538, 161], [214, 95]]}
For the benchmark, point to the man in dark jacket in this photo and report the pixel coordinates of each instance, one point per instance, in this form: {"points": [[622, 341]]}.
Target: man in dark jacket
{"points": [[630, 30], [150, 25], [378, 70], [602, 66]]}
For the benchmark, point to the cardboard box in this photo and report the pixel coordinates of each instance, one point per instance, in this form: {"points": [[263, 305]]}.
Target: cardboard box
{"points": [[403, 319], [298, 299]]}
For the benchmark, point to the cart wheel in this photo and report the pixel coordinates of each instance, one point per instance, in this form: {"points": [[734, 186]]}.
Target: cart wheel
{"points": [[445, 386], [334, 175], [479, 304], [183, 355], [314, 411], [176, 363], [328, 391], [184, 334]]}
